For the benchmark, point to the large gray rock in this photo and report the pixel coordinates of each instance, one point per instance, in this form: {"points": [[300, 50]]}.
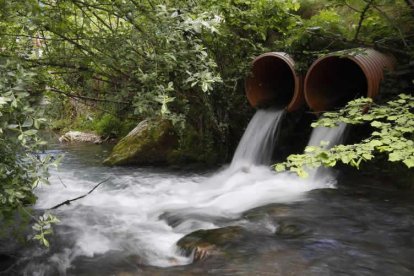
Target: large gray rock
{"points": [[80, 137], [149, 143]]}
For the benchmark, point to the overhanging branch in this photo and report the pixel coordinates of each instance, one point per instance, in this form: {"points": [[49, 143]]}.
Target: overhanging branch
{"points": [[67, 202]]}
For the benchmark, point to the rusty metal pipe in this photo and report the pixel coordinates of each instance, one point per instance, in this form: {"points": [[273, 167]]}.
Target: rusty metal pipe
{"points": [[337, 78], [274, 82]]}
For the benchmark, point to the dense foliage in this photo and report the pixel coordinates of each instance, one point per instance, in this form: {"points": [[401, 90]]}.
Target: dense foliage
{"points": [[22, 167], [174, 58], [19, 170]]}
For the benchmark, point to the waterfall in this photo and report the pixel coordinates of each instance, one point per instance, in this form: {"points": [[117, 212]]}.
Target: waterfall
{"points": [[332, 136], [257, 144]]}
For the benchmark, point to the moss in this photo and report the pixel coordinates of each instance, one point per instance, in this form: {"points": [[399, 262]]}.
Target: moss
{"points": [[126, 126], [149, 143]]}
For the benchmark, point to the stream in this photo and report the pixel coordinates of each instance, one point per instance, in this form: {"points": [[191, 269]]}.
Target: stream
{"points": [[240, 219], [130, 224]]}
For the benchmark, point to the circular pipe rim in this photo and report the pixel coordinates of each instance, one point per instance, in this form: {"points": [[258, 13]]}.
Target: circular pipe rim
{"points": [[373, 82], [297, 98]]}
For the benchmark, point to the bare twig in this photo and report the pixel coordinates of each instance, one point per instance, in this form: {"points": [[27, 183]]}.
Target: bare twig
{"points": [[53, 89], [393, 25], [61, 181], [361, 19], [358, 43], [67, 202], [350, 7], [30, 36]]}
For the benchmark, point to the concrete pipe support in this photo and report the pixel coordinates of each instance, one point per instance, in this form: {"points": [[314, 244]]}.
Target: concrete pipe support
{"points": [[337, 78], [274, 82]]}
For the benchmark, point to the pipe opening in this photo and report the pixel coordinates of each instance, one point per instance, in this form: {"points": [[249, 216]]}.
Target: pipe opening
{"points": [[272, 82], [332, 82]]}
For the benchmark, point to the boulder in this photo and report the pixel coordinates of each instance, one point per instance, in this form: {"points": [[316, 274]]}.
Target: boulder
{"points": [[80, 137], [204, 243], [149, 143]]}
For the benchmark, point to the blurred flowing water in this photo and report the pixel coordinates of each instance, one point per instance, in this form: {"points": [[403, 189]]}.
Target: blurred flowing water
{"points": [[259, 140], [130, 224], [326, 138], [331, 136]]}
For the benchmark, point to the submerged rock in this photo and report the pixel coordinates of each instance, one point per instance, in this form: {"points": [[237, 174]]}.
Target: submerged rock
{"points": [[204, 243], [292, 229], [149, 143], [80, 137], [271, 211]]}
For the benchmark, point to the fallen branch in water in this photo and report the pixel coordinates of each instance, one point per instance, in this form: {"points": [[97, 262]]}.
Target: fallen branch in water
{"points": [[67, 202]]}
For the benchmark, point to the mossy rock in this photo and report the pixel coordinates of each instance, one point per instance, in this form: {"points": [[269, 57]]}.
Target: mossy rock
{"points": [[149, 143], [210, 242]]}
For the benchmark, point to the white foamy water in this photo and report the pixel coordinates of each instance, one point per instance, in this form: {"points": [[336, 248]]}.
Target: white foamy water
{"points": [[144, 212], [258, 142], [126, 214]]}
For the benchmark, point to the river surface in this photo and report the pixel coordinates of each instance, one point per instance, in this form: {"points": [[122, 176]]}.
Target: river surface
{"points": [[131, 223]]}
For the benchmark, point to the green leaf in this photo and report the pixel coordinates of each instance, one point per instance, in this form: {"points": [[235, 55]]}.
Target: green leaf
{"points": [[14, 104], [376, 124], [395, 156], [30, 132], [302, 173], [409, 162], [375, 143], [45, 242], [367, 156], [28, 122], [4, 100], [345, 159], [280, 167], [204, 86], [12, 126], [310, 149]]}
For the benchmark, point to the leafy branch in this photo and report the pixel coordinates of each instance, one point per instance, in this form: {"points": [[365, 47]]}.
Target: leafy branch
{"points": [[393, 133], [42, 226]]}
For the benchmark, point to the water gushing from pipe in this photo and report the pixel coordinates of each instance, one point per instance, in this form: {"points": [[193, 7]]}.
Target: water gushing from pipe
{"points": [[327, 138], [332, 135], [258, 142]]}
